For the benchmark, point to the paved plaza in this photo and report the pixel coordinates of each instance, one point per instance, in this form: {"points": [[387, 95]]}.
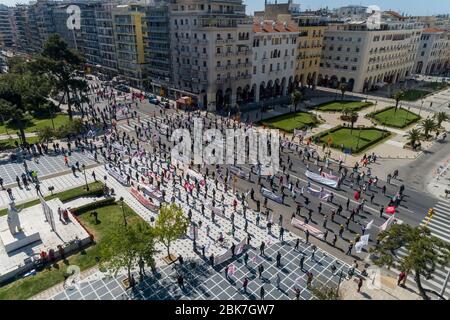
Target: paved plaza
{"points": [[202, 282], [44, 165]]}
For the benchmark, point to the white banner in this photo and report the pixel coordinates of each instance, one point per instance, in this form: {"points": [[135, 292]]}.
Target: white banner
{"points": [[121, 179], [48, 212], [318, 178], [228, 254], [319, 193], [388, 223], [238, 172], [269, 194]]}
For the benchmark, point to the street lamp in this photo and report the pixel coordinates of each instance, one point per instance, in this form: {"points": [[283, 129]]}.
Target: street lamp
{"points": [[85, 178], [359, 136], [420, 111], [123, 212]]}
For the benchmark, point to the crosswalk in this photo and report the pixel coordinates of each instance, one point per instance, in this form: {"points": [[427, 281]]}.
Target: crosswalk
{"points": [[439, 226]]}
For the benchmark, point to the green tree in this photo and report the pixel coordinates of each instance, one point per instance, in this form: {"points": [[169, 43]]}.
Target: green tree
{"points": [[428, 125], [353, 118], [423, 252], [20, 95], [124, 246], [59, 62], [146, 244], [441, 117], [398, 96], [46, 134], [343, 87], [296, 97], [414, 136], [170, 224]]}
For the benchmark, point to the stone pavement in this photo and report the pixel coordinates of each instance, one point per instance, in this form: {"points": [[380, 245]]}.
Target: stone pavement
{"points": [[61, 183], [388, 290], [202, 282]]}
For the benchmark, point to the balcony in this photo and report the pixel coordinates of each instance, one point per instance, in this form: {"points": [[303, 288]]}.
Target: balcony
{"points": [[224, 54], [244, 53]]}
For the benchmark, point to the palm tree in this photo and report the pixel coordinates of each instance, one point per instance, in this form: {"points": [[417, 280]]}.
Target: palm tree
{"points": [[353, 117], [398, 96], [414, 136], [428, 125], [343, 87], [441, 117], [296, 97]]}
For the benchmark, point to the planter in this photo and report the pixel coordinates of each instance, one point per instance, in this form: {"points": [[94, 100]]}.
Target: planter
{"points": [[170, 259]]}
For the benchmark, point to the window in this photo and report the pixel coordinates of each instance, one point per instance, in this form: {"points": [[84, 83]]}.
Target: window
{"points": [[263, 70], [254, 70]]}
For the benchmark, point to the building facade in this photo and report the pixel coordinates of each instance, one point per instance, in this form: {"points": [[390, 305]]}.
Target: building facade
{"points": [[211, 51], [311, 31], [6, 29], [364, 58], [433, 57], [274, 60], [127, 21], [158, 48]]}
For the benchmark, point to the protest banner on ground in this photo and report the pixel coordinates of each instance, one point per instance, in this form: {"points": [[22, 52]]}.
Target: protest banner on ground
{"points": [[303, 226], [269, 194], [318, 178]]}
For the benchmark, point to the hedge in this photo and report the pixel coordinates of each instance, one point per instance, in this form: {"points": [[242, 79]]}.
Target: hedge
{"points": [[94, 205], [363, 106]]}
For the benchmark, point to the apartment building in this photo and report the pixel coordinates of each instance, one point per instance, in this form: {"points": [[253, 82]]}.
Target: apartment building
{"points": [[6, 30], [274, 60], [364, 58], [311, 31], [211, 44], [127, 21], [157, 48], [433, 57]]}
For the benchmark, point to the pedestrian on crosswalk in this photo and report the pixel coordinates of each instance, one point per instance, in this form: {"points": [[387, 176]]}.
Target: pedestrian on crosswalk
{"points": [[262, 292], [261, 248], [245, 284], [297, 242], [260, 270]]}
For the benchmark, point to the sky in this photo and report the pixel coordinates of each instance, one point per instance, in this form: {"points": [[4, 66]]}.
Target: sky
{"points": [[409, 7]]}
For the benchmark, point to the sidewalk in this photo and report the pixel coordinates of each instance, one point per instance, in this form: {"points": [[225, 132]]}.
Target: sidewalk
{"points": [[388, 290]]}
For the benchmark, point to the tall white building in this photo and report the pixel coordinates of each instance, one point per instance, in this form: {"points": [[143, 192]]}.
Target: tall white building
{"points": [[274, 59], [364, 58], [434, 52], [211, 44]]}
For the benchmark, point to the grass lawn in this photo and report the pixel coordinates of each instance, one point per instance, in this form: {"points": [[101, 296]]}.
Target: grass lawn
{"points": [[108, 216], [63, 196], [400, 119], [344, 136], [435, 85], [338, 106], [7, 144], [414, 94], [291, 121], [36, 124]]}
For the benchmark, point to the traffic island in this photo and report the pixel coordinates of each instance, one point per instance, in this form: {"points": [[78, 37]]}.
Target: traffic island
{"points": [[400, 118], [352, 141]]}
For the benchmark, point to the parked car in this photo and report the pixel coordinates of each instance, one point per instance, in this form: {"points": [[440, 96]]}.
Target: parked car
{"points": [[122, 88], [150, 96], [155, 101]]}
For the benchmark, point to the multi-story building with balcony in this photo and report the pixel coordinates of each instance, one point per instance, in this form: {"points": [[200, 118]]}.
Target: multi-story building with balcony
{"points": [[127, 21], [311, 30], [6, 30], [363, 57], [211, 51], [157, 48], [274, 60], [433, 57]]}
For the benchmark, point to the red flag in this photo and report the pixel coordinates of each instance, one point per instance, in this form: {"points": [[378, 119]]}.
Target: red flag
{"points": [[390, 210], [356, 195]]}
